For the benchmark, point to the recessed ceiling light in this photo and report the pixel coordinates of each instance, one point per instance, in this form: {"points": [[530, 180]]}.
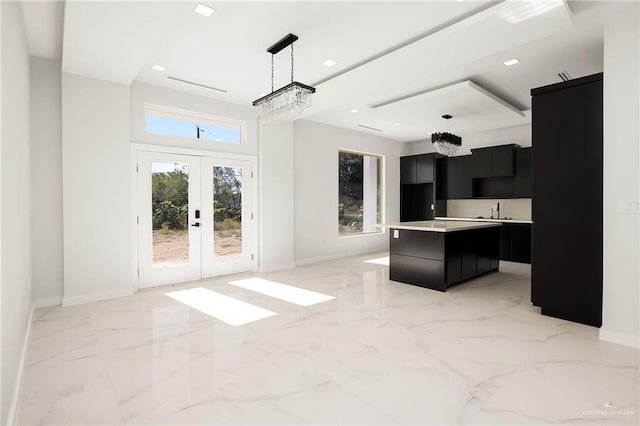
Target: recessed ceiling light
{"points": [[511, 62], [204, 10], [396, 124], [354, 110], [459, 1], [158, 67], [329, 63]]}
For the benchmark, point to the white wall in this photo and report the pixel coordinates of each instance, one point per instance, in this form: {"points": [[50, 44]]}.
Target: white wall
{"points": [[520, 135], [46, 181], [516, 208], [142, 93], [316, 190], [99, 262], [276, 211], [15, 203], [621, 297]]}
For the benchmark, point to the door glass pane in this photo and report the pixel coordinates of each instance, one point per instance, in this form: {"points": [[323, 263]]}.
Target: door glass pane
{"points": [[227, 211], [169, 210]]}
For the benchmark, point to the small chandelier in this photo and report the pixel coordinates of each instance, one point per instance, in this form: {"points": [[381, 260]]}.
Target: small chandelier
{"points": [[288, 102], [446, 143]]}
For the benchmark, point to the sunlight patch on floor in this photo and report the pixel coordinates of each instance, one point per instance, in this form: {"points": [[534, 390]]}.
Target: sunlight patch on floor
{"points": [[288, 293], [232, 311], [379, 261]]}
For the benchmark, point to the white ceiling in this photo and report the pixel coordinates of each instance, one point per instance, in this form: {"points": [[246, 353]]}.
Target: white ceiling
{"points": [[385, 51]]}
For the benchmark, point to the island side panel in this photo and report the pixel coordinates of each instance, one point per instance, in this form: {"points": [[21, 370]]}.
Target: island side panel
{"points": [[417, 257], [471, 253]]}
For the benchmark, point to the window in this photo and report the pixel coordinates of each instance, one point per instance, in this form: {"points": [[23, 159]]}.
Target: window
{"points": [[360, 193], [186, 124]]}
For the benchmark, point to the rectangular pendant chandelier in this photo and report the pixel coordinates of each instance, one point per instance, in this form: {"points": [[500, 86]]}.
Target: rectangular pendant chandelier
{"points": [[288, 102]]}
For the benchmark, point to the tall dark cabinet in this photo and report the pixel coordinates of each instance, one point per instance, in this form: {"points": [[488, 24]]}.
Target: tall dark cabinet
{"points": [[420, 197], [566, 273]]}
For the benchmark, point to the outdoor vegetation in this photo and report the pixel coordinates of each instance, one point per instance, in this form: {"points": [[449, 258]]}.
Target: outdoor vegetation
{"points": [[350, 192], [227, 201], [170, 209], [170, 199]]}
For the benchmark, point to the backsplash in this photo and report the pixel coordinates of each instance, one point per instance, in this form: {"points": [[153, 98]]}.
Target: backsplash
{"points": [[517, 208]]}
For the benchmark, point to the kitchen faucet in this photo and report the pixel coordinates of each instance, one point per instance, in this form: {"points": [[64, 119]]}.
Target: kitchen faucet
{"points": [[497, 208]]}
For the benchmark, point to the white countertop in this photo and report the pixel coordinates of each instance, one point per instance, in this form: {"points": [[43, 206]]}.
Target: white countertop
{"points": [[442, 225], [470, 219]]}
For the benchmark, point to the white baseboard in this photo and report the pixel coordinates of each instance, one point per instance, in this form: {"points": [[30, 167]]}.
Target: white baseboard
{"points": [[273, 268], [11, 420], [318, 259], [96, 297], [620, 338], [310, 260], [47, 301]]}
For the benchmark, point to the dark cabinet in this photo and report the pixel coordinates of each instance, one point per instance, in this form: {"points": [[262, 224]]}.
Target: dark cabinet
{"points": [[459, 172], [408, 170], [482, 162], [425, 165], [437, 260], [495, 161], [505, 242], [515, 242], [418, 188], [416, 202], [440, 185], [417, 168], [524, 173], [451, 178], [520, 242], [465, 182], [566, 273], [502, 171], [502, 162]]}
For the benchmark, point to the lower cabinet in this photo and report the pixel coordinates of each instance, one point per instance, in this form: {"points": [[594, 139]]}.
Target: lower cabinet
{"points": [[521, 242], [515, 242], [416, 202]]}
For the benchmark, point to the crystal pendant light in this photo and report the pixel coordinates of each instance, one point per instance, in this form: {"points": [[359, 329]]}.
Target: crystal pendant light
{"points": [[446, 143], [287, 102]]}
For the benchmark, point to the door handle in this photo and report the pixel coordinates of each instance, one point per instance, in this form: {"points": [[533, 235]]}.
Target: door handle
{"points": [[197, 224]]}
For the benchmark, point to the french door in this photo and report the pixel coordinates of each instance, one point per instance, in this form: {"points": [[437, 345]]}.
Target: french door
{"points": [[195, 217]]}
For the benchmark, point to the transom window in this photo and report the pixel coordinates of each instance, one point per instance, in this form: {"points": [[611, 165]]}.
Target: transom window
{"points": [[192, 125], [360, 193]]}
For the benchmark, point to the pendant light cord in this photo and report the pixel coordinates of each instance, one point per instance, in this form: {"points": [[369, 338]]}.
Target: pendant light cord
{"points": [[272, 86], [272, 69]]}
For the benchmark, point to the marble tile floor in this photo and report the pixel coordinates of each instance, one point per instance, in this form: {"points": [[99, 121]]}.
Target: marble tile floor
{"points": [[381, 352]]}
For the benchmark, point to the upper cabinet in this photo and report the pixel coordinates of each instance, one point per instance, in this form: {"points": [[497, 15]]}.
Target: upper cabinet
{"points": [[503, 171], [408, 169], [495, 161], [417, 168], [524, 173], [425, 168], [458, 175]]}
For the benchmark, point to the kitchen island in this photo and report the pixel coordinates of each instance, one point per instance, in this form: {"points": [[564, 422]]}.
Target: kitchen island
{"points": [[437, 254]]}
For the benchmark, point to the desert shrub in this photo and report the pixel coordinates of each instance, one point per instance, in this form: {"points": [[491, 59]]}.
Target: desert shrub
{"points": [[166, 216], [228, 225]]}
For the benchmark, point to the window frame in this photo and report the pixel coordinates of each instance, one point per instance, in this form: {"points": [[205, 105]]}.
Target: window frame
{"points": [[196, 118], [381, 185]]}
